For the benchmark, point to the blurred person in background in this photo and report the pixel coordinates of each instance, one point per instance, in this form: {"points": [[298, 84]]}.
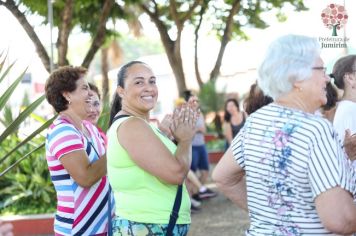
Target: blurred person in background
{"points": [[94, 113], [200, 161], [296, 173], [329, 108], [76, 157], [234, 119], [344, 74], [255, 99]]}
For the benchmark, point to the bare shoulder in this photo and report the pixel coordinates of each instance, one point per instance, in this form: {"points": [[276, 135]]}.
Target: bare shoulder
{"points": [[134, 127]]}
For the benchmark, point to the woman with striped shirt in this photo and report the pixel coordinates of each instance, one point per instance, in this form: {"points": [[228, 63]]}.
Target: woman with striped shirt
{"points": [[76, 157], [286, 166]]}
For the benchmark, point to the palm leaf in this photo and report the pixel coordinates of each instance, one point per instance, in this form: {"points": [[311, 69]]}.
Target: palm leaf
{"points": [[6, 71], [23, 115], [22, 158], [29, 138], [5, 97], [2, 62], [7, 116]]}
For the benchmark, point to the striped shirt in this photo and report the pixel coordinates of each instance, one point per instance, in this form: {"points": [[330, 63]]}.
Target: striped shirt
{"points": [[80, 211], [290, 157]]}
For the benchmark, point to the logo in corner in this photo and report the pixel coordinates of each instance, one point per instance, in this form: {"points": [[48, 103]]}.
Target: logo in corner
{"points": [[334, 17]]}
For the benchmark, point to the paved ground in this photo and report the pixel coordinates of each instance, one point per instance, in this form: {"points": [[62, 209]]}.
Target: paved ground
{"points": [[219, 217]]}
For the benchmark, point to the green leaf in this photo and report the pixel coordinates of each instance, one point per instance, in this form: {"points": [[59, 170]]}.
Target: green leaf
{"points": [[5, 97], [7, 71], [30, 137], [23, 115], [2, 63], [21, 159], [13, 199]]}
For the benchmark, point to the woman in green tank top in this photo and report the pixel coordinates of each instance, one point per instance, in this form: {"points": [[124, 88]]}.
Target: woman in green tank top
{"points": [[144, 166]]}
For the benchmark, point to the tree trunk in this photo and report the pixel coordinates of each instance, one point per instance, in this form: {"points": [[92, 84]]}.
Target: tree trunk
{"points": [[172, 49], [104, 72], [98, 39], [40, 49], [63, 33], [196, 33], [225, 39]]}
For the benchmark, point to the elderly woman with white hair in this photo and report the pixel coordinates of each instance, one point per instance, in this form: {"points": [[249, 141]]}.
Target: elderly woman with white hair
{"points": [[286, 165]]}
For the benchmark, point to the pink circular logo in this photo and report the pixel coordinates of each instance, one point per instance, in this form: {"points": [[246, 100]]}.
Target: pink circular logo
{"points": [[334, 17]]}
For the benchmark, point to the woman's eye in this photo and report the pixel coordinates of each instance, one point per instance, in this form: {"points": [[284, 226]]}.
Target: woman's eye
{"points": [[153, 81]]}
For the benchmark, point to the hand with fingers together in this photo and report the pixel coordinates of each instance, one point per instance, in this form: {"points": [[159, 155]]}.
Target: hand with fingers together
{"points": [[164, 126], [184, 120]]}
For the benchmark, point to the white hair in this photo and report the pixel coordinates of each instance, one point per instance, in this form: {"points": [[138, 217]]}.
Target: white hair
{"points": [[288, 59]]}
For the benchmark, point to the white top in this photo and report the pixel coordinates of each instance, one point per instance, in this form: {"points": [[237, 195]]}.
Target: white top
{"points": [[345, 118], [290, 157]]}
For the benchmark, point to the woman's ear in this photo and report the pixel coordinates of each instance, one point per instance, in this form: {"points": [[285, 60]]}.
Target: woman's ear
{"points": [[298, 85], [120, 91], [351, 80], [66, 95]]}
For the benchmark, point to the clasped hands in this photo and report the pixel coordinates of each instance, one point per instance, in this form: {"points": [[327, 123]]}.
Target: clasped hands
{"points": [[181, 125]]}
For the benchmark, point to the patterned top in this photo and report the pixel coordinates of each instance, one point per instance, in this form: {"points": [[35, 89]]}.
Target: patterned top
{"points": [[80, 211], [290, 157]]}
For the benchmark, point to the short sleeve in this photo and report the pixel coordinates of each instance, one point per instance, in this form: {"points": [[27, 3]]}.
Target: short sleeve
{"points": [[237, 149], [328, 166], [63, 139]]}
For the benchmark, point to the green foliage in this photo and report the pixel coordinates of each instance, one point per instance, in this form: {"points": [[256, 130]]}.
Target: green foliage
{"points": [[86, 13], [25, 185], [210, 99], [104, 118], [136, 47], [27, 188], [216, 145], [249, 15]]}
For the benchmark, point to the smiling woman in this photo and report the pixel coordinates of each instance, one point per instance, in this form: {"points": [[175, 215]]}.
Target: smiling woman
{"points": [[76, 157], [145, 167]]}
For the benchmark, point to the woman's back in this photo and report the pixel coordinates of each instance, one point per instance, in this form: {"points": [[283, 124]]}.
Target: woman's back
{"points": [[280, 149]]}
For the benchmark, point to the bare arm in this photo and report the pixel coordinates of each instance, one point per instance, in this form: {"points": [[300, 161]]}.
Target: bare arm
{"points": [[337, 211], [229, 178], [152, 155], [81, 170], [227, 132], [6, 229]]}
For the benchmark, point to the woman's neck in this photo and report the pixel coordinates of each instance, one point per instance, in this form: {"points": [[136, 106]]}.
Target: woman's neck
{"points": [[349, 94], [132, 112], [73, 119], [295, 102]]}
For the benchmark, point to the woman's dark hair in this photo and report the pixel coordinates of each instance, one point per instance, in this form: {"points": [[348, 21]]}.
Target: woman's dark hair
{"points": [[342, 67], [256, 99], [121, 75], [187, 94], [331, 95], [227, 115], [94, 88], [62, 80]]}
